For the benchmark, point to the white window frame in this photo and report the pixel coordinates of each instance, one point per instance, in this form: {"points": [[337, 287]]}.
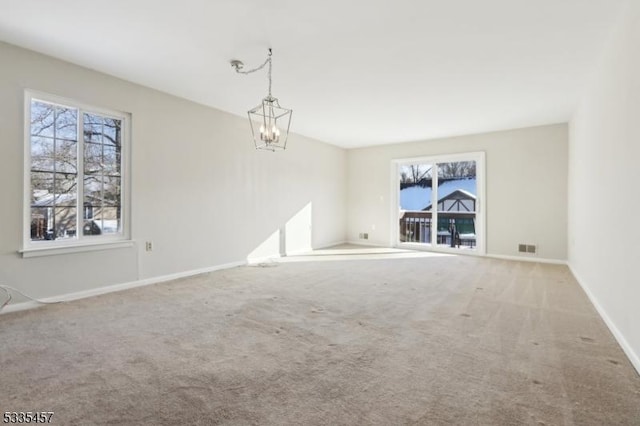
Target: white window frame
{"points": [[479, 158], [81, 243]]}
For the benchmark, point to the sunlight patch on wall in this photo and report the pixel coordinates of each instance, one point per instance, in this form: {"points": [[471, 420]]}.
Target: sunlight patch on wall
{"points": [[293, 237], [298, 232]]}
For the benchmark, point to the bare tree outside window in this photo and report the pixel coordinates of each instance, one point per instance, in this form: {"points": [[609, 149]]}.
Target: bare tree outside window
{"points": [[456, 170], [415, 173]]}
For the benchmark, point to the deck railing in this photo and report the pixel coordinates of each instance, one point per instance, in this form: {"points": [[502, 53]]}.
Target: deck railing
{"points": [[417, 226]]}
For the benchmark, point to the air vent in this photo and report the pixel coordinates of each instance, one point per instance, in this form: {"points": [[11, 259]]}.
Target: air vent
{"points": [[527, 248]]}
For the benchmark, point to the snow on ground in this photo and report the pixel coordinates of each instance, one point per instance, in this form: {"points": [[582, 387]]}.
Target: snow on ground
{"points": [[108, 226], [417, 197]]}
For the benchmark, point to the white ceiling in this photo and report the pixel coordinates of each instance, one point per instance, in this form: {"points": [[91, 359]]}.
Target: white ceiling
{"points": [[356, 72]]}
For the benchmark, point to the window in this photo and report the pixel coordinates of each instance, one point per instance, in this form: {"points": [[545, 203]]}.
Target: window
{"points": [[76, 174]]}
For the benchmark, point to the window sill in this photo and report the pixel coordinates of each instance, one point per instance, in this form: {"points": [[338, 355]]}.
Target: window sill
{"points": [[75, 248]]}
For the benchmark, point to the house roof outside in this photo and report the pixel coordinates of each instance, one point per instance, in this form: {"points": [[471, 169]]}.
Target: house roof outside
{"points": [[418, 198], [458, 194], [48, 199]]}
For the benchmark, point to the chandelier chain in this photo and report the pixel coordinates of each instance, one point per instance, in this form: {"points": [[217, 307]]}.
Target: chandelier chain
{"points": [[269, 73], [258, 68]]}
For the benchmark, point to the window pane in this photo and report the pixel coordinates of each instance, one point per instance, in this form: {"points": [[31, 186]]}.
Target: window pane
{"points": [[66, 123], [66, 156], [111, 191], [42, 163], [108, 219], [112, 131], [102, 145], [93, 190], [65, 187], [111, 160], [40, 224], [102, 191], [92, 128], [41, 146], [65, 222], [41, 189], [92, 158], [42, 119], [53, 189]]}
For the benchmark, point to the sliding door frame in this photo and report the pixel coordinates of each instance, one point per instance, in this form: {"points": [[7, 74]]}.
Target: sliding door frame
{"points": [[479, 158]]}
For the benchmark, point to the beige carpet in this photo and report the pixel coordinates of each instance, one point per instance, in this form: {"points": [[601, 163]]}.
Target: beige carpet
{"points": [[389, 340]]}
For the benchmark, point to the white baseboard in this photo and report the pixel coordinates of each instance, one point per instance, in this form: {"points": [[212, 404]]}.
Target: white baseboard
{"points": [[15, 307], [366, 243], [116, 287], [628, 350], [329, 245], [527, 259], [494, 256], [263, 259], [298, 252]]}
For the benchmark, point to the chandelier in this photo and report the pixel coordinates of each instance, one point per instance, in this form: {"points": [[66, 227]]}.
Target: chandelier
{"points": [[269, 121]]}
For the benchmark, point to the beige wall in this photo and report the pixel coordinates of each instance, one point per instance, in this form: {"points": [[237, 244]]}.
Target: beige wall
{"points": [[526, 187], [604, 200], [200, 191]]}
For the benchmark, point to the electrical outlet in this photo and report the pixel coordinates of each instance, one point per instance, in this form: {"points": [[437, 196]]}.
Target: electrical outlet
{"points": [[148, 246]]}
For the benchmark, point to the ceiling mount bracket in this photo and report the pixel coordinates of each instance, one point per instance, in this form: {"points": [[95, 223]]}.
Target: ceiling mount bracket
{"points": [[238, 65]]}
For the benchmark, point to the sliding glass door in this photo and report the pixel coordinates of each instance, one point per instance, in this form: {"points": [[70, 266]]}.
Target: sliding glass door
{"points": [[456, 204], [416, 184], [439, 201]]}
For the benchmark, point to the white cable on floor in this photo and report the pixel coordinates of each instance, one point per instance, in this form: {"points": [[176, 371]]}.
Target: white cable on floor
{"points": [[6, 302], [6, 289]]}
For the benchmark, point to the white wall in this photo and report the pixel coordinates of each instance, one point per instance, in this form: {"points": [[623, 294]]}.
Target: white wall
{"points": [[200, 191], [526, 186], [604, 174]]}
